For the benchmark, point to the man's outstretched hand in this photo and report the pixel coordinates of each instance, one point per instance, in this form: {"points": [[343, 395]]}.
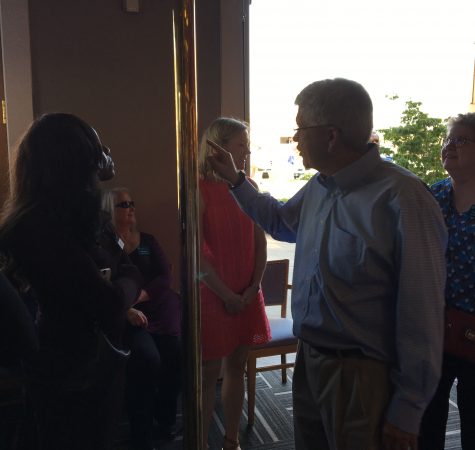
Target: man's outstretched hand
{"points": [[223, 164]]}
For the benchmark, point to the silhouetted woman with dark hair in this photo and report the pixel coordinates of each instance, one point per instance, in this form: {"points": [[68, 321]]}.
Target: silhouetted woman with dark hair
{"points": [[48, 235]]}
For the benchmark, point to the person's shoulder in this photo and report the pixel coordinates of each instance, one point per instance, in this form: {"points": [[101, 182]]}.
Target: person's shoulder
{"points": [[211, 188], [210, 182], [396, 171], [401, 178], [403, 186], [442, 186], [441, 191], [147, 238], [252, 182], [33, 225]]}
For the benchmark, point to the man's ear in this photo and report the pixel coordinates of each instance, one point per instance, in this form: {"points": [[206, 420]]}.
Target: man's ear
{"points": [[334, 139]]}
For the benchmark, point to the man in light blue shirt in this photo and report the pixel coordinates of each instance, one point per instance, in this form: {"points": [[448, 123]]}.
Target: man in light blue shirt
{"points": [[368, 282]]}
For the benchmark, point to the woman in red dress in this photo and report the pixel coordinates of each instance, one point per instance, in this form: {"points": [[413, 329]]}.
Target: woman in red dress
{"points": [[233, 259]]}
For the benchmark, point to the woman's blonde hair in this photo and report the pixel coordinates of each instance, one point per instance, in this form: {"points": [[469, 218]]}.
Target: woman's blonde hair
{"points": [[220, 131]]}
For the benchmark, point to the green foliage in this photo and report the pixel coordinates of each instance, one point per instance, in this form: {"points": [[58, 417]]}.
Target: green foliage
{"points": [[307, 175], [416, 143]]}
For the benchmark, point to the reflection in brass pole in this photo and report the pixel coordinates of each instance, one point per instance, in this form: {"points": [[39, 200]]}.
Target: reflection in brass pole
{"points": [[187, 143]]}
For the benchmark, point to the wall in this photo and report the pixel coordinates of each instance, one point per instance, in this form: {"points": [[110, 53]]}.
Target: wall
{"points": [[16, 68], [234, 58], [208, 53], [115, 70], [222, 32]]}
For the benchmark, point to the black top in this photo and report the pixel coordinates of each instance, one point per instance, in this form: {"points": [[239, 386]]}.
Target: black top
{"points": [[72, 295], [18, 340]]}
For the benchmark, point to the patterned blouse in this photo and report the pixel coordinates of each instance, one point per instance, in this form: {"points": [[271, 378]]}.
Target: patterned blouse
{"points": [[460, 288]]}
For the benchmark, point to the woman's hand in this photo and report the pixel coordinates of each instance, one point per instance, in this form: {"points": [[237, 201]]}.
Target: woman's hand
{"points": [[234, 304], [137, 318], [250, 293], [143, 297]]}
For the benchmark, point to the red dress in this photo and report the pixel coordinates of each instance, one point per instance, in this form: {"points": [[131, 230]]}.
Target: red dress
{"points": [[228, 236]]}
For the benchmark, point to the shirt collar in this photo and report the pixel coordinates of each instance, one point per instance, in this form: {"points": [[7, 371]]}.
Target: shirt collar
{"points": [[351, 175]]}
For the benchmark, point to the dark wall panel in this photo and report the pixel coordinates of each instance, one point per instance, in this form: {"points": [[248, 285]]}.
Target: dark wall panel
{"points": [[115, 70]]}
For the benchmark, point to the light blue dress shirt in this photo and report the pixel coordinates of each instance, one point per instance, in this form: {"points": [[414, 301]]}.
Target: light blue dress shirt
{"points": [[369, 270]]}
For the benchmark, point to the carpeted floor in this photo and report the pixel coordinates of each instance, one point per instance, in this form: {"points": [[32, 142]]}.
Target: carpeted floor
{"points": [[273, 416], [273, 423]]}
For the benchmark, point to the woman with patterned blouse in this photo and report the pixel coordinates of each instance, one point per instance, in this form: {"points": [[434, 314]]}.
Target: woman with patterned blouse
{"points": [[456, 196]]}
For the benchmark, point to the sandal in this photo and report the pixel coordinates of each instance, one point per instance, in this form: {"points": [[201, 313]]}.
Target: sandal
{"points": [[229, 444]]}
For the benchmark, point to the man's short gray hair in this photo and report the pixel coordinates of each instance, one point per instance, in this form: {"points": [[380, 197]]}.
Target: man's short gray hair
{"points": [[466, 120], [342, 103]]}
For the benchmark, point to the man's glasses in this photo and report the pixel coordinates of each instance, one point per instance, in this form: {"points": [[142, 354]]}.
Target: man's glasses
{"points": [[125, 205], [296, 130], [457, 141]]}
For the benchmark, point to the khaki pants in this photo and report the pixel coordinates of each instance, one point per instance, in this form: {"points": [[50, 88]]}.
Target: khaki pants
{"points": [[339, 402]]}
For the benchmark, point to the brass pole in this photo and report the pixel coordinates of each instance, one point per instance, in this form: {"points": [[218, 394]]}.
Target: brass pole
{"points": [[187, 150], [471, 107]]}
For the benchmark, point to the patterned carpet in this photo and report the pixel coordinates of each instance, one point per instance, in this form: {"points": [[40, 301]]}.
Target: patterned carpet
{"points": [[273, 423]]}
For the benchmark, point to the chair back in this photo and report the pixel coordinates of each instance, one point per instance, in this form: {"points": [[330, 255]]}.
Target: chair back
{"points": [[275, 284]]}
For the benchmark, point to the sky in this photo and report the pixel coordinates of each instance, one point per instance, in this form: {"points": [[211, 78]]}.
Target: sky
{"points": [[420, 50]]}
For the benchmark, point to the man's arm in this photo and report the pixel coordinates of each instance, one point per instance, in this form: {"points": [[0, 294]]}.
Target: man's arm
{"points": [[260, 261], [278, 219], [421, 243]]}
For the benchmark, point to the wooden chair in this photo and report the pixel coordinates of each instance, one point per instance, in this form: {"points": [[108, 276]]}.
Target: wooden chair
{"points": [[274, 287]]}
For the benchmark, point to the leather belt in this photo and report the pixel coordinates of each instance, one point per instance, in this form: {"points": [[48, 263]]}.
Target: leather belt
{"points": [[337, 353]]}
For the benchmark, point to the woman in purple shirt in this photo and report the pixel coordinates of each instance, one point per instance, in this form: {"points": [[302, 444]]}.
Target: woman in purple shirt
{"points": [[153, 373]]}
